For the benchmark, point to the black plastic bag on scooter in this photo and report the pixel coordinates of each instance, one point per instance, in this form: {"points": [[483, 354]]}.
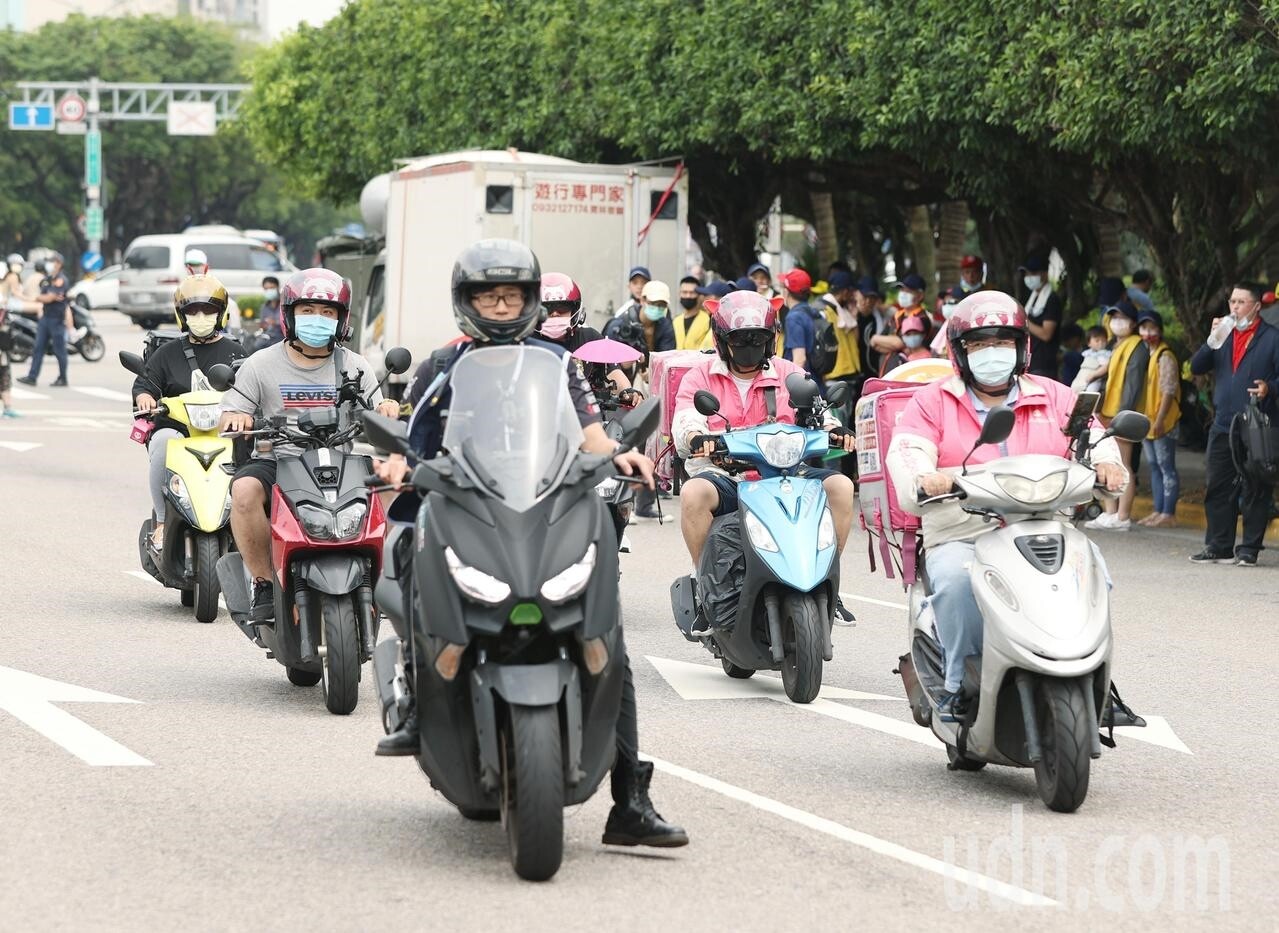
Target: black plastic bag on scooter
{"points": [[722, 572]]}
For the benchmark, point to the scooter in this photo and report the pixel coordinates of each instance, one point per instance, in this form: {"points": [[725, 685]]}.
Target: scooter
{"points": [[1031, 699], [326, 546], [197, 499], [84, 340], [508, 609], [767, 585]]}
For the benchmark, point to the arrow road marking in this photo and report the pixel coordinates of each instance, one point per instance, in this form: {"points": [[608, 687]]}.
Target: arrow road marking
{"points": [[19, 446], [875, 602], [855, 837], [26, 395], [109, 394], [30, 698], [703, 682]]}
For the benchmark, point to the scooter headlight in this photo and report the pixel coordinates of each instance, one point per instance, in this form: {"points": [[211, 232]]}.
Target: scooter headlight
{"points": [[608, 488], [826, 531], [478, 585], [1032, 492], [782, 450], [761, 537], [316, 522], [203, 417], [350, 520], [570, 581], [178, 488], [999, 586]]}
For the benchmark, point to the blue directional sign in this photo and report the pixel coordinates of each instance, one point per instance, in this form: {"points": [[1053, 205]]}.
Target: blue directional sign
{"points": [[30, 116], [91, 261]]}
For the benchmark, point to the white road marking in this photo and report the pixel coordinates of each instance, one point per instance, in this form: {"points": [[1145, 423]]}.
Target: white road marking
{"points": [[147, 578], [30, 698], [855, 837], [702, 682], [19, 446], [1156, 732], [875, 602], [109, 394], [26, 395]]}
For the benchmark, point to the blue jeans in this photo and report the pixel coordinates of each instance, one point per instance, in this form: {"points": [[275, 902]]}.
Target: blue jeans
{"points": [[955, 613], [48, 330], [1165, 485]]}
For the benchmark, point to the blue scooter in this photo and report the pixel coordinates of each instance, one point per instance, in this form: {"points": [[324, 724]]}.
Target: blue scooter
{"points": [[767, 585]]}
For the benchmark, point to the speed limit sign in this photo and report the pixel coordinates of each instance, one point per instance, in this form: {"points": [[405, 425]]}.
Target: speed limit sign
{"points": [[71, 108]]}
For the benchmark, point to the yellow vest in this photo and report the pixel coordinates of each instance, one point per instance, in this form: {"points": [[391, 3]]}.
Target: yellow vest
{"points": [[1154, 396], [1115, 375], [848, 362], [698, 337]]}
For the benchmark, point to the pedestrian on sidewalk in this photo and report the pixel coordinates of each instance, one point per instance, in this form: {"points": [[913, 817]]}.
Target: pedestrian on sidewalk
{"points": [[55, 321], [1242, 353], [1163, 394]]}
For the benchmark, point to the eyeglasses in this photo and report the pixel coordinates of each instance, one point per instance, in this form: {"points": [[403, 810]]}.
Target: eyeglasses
{"points": [[490, 300], [987, 342]]}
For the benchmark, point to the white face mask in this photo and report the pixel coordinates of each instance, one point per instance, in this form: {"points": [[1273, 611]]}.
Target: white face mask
{"points": [[992, 366], [907, 299], [1121, 326], [1033, 282], [201, 325]]}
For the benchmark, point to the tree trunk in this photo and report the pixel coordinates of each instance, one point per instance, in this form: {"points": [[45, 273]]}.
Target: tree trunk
{"points": [[732, 199], [827, 236], [921, 235], [954, 230], [1110, 260]]}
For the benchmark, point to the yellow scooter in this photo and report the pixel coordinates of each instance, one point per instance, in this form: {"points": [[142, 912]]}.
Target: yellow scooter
{"points": [[197, 498]]}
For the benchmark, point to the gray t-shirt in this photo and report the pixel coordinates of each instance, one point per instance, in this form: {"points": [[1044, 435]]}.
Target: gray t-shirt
{"points": [[271, 384]]}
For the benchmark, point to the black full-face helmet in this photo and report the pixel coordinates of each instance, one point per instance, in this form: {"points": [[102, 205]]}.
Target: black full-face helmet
{"points": [[485, 265]]}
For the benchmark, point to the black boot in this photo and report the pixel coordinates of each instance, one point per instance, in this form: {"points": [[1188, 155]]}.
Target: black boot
{"points": [[633, 821], [404, 740]]}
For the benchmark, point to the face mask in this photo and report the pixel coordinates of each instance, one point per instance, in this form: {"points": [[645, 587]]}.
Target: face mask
{"points": [[947, 310], [1151, 337], [907, 299], [966, 285], [1242, 323], [688, 304], [1120, 326], [555, 328], [749, 358], [271, 294], [1033, 282], [654, 313], [992, 366], [201, 325], [315, 330], [913, 341]]}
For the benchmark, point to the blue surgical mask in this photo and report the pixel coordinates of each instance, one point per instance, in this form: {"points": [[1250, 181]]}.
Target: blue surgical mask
{"points": [[992, 366], [315, 330], [654, 312], [270, 294], [913, 341], [1033, 282]]}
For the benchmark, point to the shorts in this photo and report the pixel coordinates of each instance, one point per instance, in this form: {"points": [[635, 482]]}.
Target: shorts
{"points": [[726, 486], [264, 472]]}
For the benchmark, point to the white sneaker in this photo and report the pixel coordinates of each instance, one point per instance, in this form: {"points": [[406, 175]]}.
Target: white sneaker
{"points": [[1109, 521]]}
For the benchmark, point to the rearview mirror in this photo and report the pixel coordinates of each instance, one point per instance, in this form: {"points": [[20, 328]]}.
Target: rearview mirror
{"points": [[802, 389], [386, 433], [998, 425], [705, 403], [398, 360], [131, 361], [839, 394], [641, 421], [1131, 426], [221, 376]]}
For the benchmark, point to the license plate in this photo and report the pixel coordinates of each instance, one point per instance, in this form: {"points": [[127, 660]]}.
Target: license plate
{"points": [[143, 298]]}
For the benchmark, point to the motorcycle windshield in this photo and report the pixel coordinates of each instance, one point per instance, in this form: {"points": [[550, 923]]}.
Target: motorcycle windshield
{"points": [[511, 422]]}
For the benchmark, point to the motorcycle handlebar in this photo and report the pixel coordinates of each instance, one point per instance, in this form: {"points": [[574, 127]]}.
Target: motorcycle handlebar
{"points": [[701, 440]]}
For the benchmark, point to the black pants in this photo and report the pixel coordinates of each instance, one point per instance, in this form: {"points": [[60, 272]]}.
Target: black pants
{"points": [[1227, 495]]}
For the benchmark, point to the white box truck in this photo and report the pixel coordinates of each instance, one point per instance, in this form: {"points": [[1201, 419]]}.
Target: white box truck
{"points": [[594, 222]]}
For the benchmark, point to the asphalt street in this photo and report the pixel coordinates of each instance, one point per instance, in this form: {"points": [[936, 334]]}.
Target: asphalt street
{"points": [[236, 802]]}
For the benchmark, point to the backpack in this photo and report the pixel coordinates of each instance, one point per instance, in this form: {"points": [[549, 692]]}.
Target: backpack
{"points": [[825, 344]]}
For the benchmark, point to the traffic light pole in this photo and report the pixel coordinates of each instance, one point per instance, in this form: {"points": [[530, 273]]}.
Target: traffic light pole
{"points": [[92, 185]]}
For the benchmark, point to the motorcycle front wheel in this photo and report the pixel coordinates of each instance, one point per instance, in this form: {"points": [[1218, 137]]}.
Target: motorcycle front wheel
{"points": [[533, 791], [804, 641], [1065, 738], [92, 348], [340, 654], [19, 352]]}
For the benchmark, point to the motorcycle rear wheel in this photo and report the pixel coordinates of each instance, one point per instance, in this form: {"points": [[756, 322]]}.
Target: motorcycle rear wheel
{"points": [[92, 348], [340, 664], [802, 635], [208, 548], [1065, 738], [302, 678], [533, 791], [19, 352]]}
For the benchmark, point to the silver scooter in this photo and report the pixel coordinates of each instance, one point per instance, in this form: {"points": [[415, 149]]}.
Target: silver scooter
{"points": [[1031, 699]]}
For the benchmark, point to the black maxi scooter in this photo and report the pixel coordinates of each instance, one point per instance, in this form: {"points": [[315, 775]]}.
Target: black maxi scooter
{"points": [[512, 622]]}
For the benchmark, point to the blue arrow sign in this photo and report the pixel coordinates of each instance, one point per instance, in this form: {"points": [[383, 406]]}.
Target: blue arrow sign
{"points": [[30, 116], [91, 262]]}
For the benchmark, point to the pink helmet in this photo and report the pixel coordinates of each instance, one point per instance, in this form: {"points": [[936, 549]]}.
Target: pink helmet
{"points": [[560, 289], [987, 314], [319, 285], [750, 315]]}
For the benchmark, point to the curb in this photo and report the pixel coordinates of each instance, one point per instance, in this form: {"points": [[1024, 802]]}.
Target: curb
{"points": [[1191, 515]]}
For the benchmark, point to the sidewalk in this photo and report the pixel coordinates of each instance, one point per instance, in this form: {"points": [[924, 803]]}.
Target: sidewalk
{"points": [[1190, 511]]}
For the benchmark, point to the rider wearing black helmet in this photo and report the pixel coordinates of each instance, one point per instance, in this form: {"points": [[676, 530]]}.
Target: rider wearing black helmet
{"points": [[497, 301]]}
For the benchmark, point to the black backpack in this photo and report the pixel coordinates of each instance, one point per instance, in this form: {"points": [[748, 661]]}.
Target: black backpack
{"points": [[825, 343]]}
